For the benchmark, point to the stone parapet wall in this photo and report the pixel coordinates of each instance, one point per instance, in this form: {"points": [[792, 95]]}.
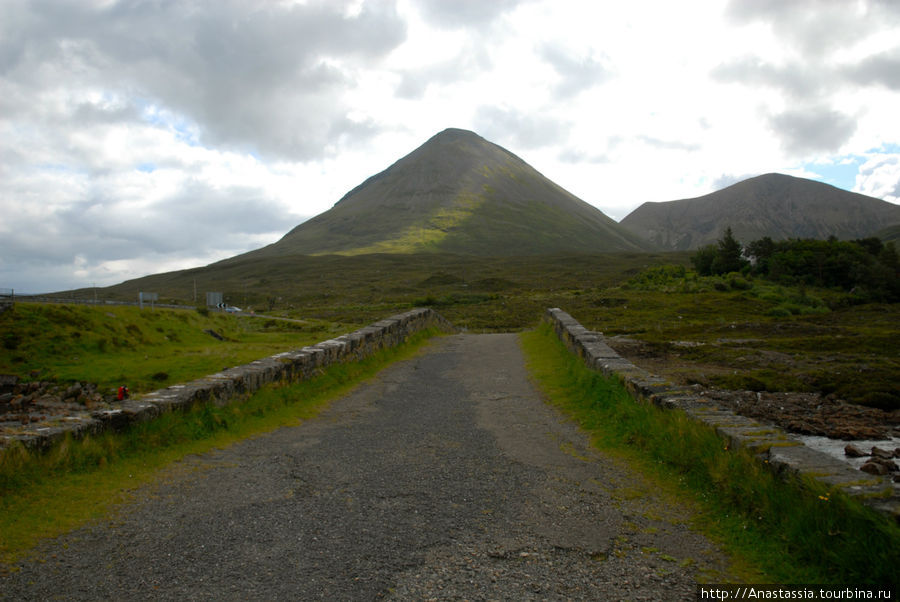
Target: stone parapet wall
{"points": [[778, 449], [222, 387]]}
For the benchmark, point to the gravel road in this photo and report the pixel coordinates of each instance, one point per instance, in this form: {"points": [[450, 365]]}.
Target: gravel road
{"points": [[446, 477]]}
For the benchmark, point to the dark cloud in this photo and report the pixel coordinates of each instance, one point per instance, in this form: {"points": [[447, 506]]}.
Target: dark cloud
{"points": [[820, 129], [262, 76], [464, 13], [817, 27], [817, 30], [799, 81], [575, 74], [519, 130], [882, 69], [199, 223]]}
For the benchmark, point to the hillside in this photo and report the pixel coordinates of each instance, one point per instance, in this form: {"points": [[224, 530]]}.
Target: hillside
{"points": [[773, 205], [457, 193]]}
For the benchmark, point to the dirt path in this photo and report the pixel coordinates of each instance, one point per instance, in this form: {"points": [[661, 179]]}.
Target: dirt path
{"points": [[447, 477]]}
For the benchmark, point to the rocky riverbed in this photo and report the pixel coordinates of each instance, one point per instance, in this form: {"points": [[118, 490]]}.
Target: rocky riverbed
{"points": [[44, 403], [823, 422]]}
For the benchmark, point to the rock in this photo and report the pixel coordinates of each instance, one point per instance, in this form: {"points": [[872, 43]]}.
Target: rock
{"points": [[851, 451], [874, 468], [72, 392], [8, 382], [897, 452], [890, 465], [882, 453]]}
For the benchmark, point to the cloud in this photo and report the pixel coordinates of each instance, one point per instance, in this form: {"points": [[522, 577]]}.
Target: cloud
{"points": [[819, 129], [519, 130], [575, 74], [668, 144], [817, 27], [264, 77], [571, 155], [881, 69], [726, 180], [199, 221], [799, 81], [471, 61], [879, 176], [464, 13]]}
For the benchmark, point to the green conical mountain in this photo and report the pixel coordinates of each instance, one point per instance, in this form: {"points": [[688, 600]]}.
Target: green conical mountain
{"points": [[457, 193]]}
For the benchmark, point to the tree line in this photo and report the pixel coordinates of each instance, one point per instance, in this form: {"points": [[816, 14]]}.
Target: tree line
{"points": [[867, 267]]}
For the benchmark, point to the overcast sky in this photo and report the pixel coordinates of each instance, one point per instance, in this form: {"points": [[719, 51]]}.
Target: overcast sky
{"points": [[139, 137]]}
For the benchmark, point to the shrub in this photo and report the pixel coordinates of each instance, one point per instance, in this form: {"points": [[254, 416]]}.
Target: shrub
{"points": [[779, 312], [739, 284]]}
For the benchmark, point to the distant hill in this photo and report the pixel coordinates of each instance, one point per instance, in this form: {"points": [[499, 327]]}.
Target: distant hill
{"points": [[457, 193], [773, 205]]}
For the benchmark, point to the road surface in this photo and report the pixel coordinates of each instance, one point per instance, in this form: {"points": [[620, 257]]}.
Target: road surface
{"points": [[446, 477]]}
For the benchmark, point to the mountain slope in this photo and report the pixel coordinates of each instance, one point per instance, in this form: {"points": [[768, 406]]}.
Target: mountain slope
{"points": [[773, 205], [457, 193]]}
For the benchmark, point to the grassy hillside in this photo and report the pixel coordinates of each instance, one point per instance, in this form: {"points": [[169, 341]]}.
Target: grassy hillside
{"points": [[457, 193], [728, 332], [476, 292], [143, 349]]}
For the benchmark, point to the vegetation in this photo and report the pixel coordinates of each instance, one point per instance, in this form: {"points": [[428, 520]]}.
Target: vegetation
{"points": [[43, 495], [737, 331], [115, 345], [796, 532], [720, 258], [868, 267], [365, 288]]}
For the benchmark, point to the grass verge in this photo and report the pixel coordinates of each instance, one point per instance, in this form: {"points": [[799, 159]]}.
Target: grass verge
{"points": [[794, 531], [44, 495], [116, 345]]}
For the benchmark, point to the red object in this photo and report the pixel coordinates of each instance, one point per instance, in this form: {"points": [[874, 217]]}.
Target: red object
{"points": [[123, 393]]}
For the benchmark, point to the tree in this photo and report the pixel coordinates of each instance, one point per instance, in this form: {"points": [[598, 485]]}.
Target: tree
{"points": [[703, 260], [728, 254], [761, 251], [720, 258]]}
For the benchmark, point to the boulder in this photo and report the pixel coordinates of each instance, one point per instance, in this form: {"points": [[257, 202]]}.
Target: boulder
{"points": [[877, 452], [874, 468], [851, 451]]}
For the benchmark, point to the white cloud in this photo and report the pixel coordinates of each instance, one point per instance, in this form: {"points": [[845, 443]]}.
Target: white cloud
{"points": [[879, 176]]}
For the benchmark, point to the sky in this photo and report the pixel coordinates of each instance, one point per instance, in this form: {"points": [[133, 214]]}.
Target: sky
{"points": [[139, 136]]}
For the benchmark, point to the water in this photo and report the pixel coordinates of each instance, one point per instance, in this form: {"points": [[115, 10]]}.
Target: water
{"points": [[835, 447]]}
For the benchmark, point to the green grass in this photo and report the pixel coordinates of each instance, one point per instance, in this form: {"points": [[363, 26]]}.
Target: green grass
{"points": [[794, 531], [757, 336], [795, 339], [44, 495], [145, 349]]}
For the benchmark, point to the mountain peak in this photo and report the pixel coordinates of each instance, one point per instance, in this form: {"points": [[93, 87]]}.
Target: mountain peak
{"points": [[775, 205], [458, 193]]}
